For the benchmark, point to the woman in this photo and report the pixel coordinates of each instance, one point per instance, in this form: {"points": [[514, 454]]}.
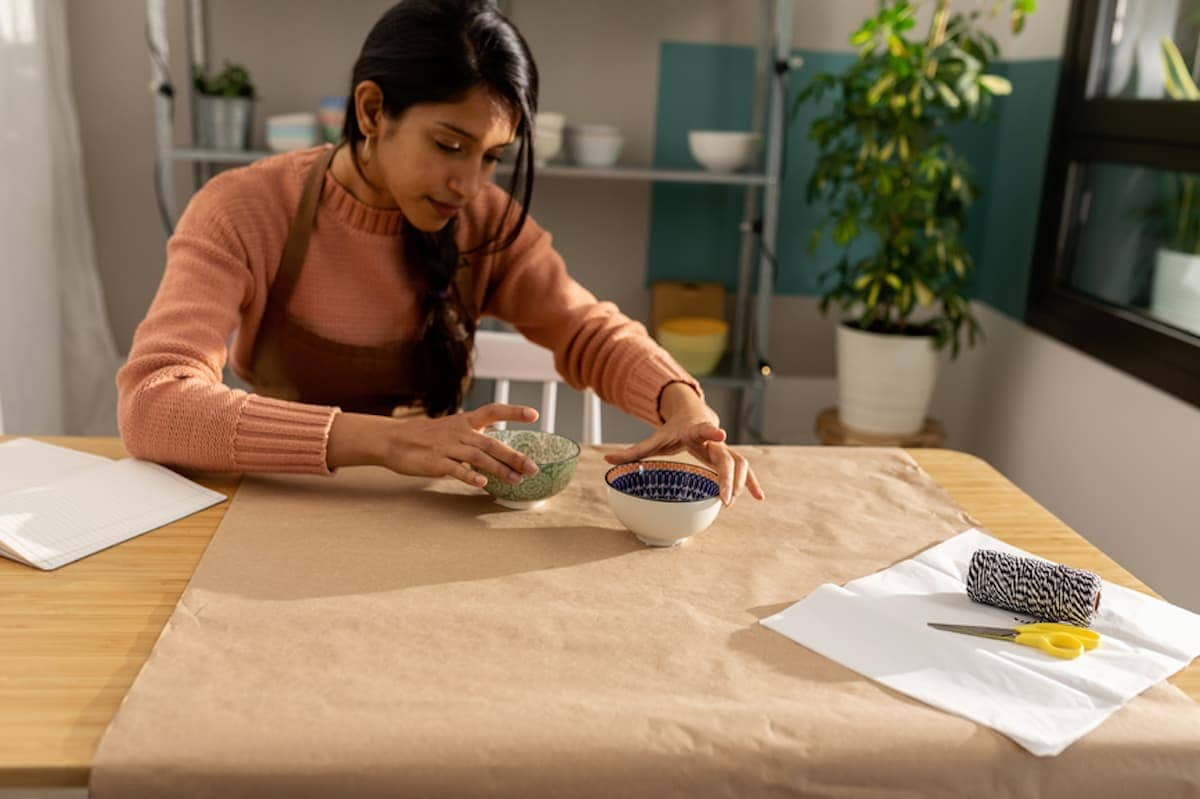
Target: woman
{"points": [[354, 277]]}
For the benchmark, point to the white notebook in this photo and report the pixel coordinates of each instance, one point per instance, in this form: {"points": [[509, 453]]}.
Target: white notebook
{"points": [[58, 505]]}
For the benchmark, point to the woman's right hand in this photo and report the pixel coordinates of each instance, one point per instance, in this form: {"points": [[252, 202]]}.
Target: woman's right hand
{"points": [[444, 447]]}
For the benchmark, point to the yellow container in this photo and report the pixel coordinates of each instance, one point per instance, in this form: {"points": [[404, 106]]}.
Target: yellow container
{"points": [[696, 342]]}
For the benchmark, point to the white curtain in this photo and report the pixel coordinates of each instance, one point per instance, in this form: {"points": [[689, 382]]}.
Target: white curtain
{"points": [[57, 354]]}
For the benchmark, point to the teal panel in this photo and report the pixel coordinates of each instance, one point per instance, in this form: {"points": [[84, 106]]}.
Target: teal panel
{"points": [[694, 230], [1014, 189]]}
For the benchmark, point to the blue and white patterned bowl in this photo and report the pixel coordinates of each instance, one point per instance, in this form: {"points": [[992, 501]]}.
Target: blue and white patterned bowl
{"points": [[663, 502]]}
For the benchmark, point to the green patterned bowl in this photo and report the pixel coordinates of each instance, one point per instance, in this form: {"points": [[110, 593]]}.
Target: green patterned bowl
{"points": [[555, 457]]}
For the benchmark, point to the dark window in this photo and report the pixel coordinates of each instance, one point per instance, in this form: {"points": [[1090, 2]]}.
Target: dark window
{"points": [[1117, 264]]}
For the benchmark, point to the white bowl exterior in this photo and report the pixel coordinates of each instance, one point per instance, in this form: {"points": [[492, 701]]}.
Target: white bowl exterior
{"points": [[547, 145], [595, 151], [293, 120], [282, 144], [549, 120], [594, 130], [723, 151], [663, 523]]}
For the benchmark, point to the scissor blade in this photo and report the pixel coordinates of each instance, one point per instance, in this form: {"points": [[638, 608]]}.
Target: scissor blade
{"points": [[985, 632]]}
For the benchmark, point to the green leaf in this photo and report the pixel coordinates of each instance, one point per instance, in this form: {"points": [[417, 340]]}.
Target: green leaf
{"points": [[814, 240], [924, 295], [948, 96], [893, 280], [882, 85], [845, 230], [873, 297], [996, 84], [1178, 80], [861, 283]]}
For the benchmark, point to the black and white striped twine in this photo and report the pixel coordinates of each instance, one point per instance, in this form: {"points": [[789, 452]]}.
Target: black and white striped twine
{"points": [[1046, 591]]}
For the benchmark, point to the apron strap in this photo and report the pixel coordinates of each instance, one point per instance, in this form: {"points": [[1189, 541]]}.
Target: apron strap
{"points": [[279, 292], [298, 234]]}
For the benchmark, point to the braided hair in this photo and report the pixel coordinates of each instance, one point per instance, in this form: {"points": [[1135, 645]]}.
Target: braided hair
{"points": [[437, 51]]}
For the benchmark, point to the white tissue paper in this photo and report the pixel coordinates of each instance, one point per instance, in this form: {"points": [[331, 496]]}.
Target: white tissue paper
{"points": [[877, 626]]}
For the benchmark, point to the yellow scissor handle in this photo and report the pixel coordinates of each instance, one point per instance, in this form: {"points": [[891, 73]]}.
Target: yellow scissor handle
{"points": [[1060, 645], [1087, 638]]}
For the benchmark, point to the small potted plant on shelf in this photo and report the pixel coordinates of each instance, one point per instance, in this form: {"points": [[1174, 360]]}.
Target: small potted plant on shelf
{"points": [[224, 108], [896, 196], [1175, 293]]}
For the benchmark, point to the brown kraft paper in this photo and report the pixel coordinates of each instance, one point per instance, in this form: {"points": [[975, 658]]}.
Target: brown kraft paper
{"points": [[370, 635]]}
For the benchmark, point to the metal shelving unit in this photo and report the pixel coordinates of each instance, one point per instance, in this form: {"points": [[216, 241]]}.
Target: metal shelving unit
{"points": [[646, 174], [746, 366]]}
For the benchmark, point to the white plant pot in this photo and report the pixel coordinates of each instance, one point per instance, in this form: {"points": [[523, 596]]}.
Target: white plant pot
{"points": [[1175, 293], [885, 382]]}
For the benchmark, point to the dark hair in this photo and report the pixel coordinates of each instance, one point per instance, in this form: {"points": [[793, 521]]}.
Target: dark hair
{"points": [[436, 51]]}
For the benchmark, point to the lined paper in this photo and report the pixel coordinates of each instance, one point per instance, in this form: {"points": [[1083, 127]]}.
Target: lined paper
{"points": [[25, 463], [58, 505]]}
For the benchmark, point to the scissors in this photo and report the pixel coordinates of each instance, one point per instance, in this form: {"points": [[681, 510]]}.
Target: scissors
{"points": [[1060, 640]]}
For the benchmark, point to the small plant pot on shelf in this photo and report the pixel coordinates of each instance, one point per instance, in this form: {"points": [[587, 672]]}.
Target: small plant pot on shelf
{"points": [[224, 123], [224, 108], [885, 381]]}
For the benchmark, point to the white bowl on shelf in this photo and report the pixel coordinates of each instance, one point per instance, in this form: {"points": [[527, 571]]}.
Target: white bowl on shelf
{"points": [[292, 131], [547, 144], [722, 150], [549, 120], [595, 146]]}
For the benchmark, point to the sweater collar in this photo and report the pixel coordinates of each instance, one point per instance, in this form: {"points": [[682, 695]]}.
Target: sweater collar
{"points": [[337, 200]]}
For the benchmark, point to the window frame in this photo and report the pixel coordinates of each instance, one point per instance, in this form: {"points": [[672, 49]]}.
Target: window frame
{"points": [[1146, 133]]}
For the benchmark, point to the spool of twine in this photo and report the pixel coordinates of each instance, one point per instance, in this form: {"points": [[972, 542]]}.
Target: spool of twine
{"points": [[1046, 591]]}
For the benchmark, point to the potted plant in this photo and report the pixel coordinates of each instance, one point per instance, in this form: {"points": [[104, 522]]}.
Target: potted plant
{"points": [[1175, 293], [224, 108], [896, 196]]}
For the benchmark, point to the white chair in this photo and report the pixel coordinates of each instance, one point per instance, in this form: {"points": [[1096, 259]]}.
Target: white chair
{"points": [[506, 357]]}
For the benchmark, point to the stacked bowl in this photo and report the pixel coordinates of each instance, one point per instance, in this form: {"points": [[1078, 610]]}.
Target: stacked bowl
{"points": [[695, 342], [595, 146], [547, 136], [292, 131]]}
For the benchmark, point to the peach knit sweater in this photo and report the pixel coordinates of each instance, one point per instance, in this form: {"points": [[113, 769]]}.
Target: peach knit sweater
{"points": [[355, 288]]}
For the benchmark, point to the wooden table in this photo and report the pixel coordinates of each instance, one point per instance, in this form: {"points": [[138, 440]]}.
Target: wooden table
{"points": [[73, 640]]}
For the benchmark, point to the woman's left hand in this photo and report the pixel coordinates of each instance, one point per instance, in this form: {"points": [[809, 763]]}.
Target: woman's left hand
{"points": [[692, 425]]}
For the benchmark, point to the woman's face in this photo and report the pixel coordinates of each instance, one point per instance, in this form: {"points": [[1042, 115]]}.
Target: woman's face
{"points": [[435, 157]]}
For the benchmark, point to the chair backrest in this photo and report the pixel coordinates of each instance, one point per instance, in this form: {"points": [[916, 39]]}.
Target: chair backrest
{"points": [[506, 357]]}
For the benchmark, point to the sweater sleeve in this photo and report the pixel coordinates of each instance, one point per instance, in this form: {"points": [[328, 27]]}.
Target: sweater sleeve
{"points": [[594, 344], [173, 407]]}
